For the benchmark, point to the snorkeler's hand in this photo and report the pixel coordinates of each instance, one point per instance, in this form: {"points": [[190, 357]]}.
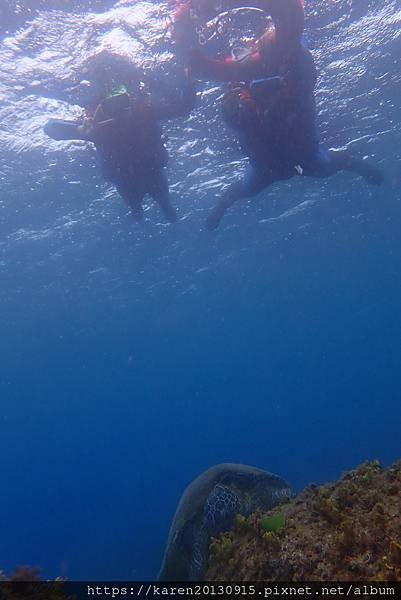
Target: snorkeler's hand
{"points": [[87, 124]]}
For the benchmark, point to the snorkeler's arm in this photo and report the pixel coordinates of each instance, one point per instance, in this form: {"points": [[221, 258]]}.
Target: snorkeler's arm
{"points": [[61, 130], [288, 18], [227, 69], [183, 29]]}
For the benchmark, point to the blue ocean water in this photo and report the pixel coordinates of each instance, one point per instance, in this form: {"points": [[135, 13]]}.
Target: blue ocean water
{"points": [[135, 356]]}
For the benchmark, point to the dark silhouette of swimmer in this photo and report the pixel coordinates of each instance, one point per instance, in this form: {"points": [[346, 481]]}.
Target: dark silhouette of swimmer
{"points": [[126, 131], [274, 112]]}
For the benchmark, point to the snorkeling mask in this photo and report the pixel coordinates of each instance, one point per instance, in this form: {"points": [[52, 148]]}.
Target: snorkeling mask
{"points": [[116, 102], [119, 91]]}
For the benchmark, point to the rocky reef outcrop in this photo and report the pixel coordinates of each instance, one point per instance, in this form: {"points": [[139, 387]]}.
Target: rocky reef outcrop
{"points": [[348, 530]]}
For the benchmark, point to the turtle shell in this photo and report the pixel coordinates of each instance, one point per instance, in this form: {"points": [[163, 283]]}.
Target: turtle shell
{"points": [[208, 507]]}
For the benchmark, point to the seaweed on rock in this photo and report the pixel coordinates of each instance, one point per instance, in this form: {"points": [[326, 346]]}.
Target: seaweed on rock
{"points": [[348, 530]]}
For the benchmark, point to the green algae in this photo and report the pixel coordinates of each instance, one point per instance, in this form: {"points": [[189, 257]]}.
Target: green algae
{"points": [[274, 523]]}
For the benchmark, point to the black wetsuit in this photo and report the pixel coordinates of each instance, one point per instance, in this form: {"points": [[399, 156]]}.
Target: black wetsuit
{"points": [[129, 142], [276, 114], [278, 131], [278, 126]]}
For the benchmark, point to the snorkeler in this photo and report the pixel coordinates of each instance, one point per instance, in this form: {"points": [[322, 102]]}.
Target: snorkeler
{"points": [[274, 112], [128, 138]]}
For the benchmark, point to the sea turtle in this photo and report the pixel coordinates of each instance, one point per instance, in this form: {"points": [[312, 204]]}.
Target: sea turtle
{"points": [[208, 507]]}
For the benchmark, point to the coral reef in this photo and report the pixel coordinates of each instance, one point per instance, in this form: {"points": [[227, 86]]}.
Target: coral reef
{"points": [[22, 573], [349, 530], [25, 583]]}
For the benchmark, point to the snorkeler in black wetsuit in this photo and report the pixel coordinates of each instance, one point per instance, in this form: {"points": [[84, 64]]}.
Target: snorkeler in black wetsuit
{"points": [[274, 111], [128, 138]]}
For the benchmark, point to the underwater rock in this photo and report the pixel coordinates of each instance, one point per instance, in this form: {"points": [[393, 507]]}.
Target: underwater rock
{"points": [[208, 507], [343, 531]]}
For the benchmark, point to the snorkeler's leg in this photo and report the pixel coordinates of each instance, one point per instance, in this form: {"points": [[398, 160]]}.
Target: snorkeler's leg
{"points": [[235, 192], [133, 198], [135, 204], [342, 160], [161, 193], [253, 182]]}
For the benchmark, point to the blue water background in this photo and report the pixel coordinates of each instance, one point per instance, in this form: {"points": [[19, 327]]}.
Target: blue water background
{"points": [[133, 357]]}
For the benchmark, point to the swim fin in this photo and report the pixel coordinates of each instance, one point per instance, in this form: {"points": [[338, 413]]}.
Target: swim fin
{"points": [[59, 130]]}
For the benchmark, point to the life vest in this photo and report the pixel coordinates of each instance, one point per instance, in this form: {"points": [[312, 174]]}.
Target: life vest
{"points": [[239, 108], [248, 106], [191, 20], [211, 8]]}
